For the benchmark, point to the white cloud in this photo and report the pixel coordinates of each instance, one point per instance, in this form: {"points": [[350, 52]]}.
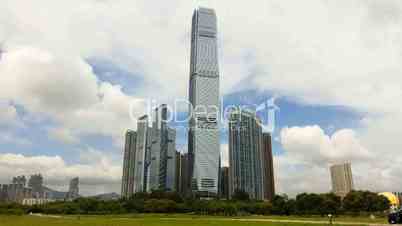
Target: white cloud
{"points": [[303, 50], [66, 90], [313, 145], [47, 83]]}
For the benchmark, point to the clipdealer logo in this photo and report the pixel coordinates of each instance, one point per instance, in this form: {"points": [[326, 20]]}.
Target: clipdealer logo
{"points": [[176, 112]]}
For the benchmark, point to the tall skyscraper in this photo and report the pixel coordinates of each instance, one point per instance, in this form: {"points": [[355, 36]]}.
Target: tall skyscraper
{"points": [[245, 157], [36, 183], [269, 179], [155, 159], [170, 159], [127, 185], [342, 179], [73, 190], [203, 144], [141, 164], [162, 168]]}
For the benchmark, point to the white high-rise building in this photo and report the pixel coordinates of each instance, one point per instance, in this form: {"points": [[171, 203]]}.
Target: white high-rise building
{"points": [[342, 179], [204, 151]]}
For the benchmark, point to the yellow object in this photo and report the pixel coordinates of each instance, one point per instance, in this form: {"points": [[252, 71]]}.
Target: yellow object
{"points": [[393, 199]]}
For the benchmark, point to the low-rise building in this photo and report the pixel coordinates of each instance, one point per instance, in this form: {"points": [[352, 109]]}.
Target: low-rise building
{"points": [[35, 201]]}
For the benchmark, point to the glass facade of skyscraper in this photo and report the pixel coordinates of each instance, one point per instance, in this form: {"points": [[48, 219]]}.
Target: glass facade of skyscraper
{"points": [[245, 155], [203, 146]]}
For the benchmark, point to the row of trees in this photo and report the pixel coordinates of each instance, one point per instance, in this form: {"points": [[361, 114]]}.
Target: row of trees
{"points": [[160, 202]]}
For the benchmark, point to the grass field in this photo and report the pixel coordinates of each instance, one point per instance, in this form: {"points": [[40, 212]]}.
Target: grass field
{"points": [[175, 220]]}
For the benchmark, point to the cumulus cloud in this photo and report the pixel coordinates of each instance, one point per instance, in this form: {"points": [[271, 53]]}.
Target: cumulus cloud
{"points": [[313, 145], [44, 82], [66, 90]]}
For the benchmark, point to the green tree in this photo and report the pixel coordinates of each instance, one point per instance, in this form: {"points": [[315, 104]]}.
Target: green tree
{"points": [[331, 204], [279, 204], [308, 203], [366, 201]]}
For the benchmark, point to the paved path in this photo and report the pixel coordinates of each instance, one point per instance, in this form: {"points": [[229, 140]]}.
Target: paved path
{"points": [[309, 222], [285, 221]]}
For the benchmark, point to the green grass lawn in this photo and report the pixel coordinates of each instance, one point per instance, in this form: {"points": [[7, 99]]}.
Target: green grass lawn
{"points": [[162, 220]]}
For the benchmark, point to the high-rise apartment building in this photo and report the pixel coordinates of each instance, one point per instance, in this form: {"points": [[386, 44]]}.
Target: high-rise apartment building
{"points": [[142, 147], [162, 168], [268, 167], [203, 144], [155, 159], [183, 174], [73, 190], [178, 171], [14, 193], [127, 186], [245, 154], [342, 179], [170, 159], [20, 180], [36, 183]]}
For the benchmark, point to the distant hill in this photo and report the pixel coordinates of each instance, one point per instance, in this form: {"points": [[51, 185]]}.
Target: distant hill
{"points": [[60, 195], [106, 196], [53, 194]]}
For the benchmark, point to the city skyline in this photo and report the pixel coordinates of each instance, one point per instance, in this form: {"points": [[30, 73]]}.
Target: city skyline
{"points": [[71, 73], [34, 191]]}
